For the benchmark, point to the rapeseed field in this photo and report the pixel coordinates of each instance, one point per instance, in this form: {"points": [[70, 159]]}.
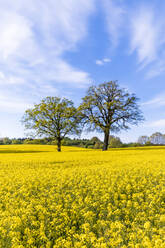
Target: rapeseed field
{"points": [[81, 198]]}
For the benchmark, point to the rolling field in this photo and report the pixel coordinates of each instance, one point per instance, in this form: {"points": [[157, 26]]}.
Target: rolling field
{"points": [[81, 198]]}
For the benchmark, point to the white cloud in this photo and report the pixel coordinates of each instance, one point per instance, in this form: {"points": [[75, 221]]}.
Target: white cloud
{"points": [[157, 101], [114, 14], [103, 61], [99, 62], [159, 123], [15, 31], [34, 37], [143, 25], [144, 35], [10, 79], [13, 105], [157, 69], [67, 74], [148, 39], [106, 60]]}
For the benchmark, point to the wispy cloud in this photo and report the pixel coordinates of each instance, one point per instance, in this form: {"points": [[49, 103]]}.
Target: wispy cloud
{"points": [[10, 80], [13, 105], [34, 38], [148, 39], [103, 61], [157, 101], [143, 26], [114, 14], [159, 123], [144, 35], [157, 68]]}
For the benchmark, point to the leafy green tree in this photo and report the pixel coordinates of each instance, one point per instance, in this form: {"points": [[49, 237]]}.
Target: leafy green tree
{"points": [[6, 141], [107, 107], [97, 145], [115, 142], [16, 141], [95, 140], [53, 117]]}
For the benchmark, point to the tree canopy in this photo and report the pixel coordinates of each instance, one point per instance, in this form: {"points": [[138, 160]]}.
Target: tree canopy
{"points": [[109, 108], [53, 117]]}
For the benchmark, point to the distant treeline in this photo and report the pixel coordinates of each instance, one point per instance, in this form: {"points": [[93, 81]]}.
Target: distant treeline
{"points": [[86, 143], [155, 139], [95, 143]]}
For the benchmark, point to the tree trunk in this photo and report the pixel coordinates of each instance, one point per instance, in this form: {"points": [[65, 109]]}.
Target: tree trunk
{"points": [[59, 144], [106, 140]]}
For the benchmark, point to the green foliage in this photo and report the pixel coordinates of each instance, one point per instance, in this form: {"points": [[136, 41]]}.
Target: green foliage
{"points": [[53, 117], [35, 141], [96, 140], [148, 143], [107, 107], [98, 145], [115, 142], [16, 141], [6, 141]]}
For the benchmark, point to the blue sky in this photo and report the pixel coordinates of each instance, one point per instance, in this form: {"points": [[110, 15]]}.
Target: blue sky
{"points": [[60, 48]]}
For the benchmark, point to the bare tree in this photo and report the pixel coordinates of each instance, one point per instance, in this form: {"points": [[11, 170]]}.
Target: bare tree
{"points": [[143, 139], [157, 138]]}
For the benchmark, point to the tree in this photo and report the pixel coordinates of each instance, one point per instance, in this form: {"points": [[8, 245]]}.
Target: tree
{"points": [[108, 108], [95, 140], [143, 139], [54, 118], [97, 143], [6, 141], [115, 142], [17, 141], [157, 138]]}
